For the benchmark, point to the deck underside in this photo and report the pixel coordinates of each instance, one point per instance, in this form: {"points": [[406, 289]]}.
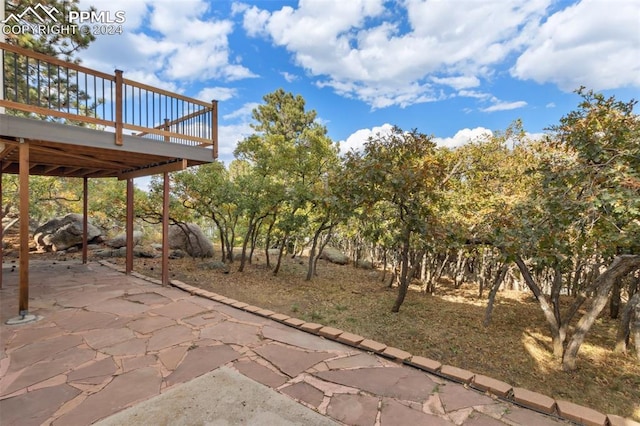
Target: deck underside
{"points": [[71, 151]]}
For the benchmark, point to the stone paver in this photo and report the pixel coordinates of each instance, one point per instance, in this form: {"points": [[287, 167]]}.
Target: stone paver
{"points": [[104, 367], [261, 374], [455, 397], [122, 392], [298, 338], [289, 360], [400, 383], [35, 407], [357, 410], [303, 391], [170, 336], [395, 413], [150, 324], [230, 332], [179, 310], [47, 369], [201, 360], [108, 341]]}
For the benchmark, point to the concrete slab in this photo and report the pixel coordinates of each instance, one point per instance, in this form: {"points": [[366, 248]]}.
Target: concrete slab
{"points": [[220, 398]]}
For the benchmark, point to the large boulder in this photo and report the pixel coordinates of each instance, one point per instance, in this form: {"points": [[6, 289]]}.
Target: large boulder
{"points": [[60, 233], [121, 240], [190, 238], [334, 255]]}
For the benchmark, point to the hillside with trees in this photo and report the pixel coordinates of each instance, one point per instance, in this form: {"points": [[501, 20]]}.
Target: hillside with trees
{"points": [[555, 219]]}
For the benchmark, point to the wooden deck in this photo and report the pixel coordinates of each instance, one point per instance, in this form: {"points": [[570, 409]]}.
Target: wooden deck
{"points": [[80, 122], [58, 118]]}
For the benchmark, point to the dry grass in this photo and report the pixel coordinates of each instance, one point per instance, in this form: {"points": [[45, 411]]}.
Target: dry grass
{"points": [[515, 348]]}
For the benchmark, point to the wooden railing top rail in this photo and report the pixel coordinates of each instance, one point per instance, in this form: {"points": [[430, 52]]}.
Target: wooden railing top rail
{"points": [[165, 92], [46, 86], [55, 61]]}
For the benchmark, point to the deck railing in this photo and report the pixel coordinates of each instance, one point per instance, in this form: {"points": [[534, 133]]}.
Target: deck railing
{"points": [[44, 87]]}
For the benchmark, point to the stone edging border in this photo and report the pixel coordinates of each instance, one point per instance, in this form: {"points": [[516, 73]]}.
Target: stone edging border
{"points": [[528, 399]]}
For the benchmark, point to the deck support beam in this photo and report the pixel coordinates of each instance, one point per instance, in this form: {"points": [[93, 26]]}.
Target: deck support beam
{"points": [[165, 229], [85, 218], [129, 257], [1, 226], [23, 185]]}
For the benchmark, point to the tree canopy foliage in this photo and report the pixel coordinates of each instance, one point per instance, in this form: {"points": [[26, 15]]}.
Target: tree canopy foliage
{"points": [[558, 215]]}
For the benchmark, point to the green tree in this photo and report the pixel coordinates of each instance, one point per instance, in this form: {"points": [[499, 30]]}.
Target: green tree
{"points": [[579, 213], [291, 154], [210, 191], [600, 190], [401, 173]]}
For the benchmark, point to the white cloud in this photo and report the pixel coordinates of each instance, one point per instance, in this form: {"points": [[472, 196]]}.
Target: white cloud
{"points": [[464, 136], [151, 79], [550, 105], [177, 41], [593, 43], [229, 136], [234, 127], [217, 93], [289, 77], [244, 113], [475, 94], [504, 106], [356, 140], [361, 50], [458, 83]]}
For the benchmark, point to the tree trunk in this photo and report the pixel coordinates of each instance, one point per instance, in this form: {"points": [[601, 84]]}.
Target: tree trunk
{"points": [[461, 264], [268, 242], [243, 257], [502, 272], [635, 330], [624, 330], [404, 271], [547, 310], [312, 252], [280, 254], [620, 267], [615, 300]]}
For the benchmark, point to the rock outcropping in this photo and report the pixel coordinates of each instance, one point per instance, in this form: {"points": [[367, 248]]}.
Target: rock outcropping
{"points": [[61, 233], [189, 238]]}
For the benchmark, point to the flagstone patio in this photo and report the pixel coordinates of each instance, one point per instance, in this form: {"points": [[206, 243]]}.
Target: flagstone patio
{"points": [[107, 342]]}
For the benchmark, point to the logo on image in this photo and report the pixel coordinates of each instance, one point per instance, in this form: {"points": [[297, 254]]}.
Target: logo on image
{"points": [[44, 20]]}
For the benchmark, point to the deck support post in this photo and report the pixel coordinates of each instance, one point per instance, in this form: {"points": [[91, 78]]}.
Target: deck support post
{"points": [[214, 128], [129, 226], [1, 226], [119, 124], [85, 219], [24, 229], [165, 229], [23, 188]]}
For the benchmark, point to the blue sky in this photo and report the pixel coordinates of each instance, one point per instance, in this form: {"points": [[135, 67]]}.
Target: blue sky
{"points": [[453, 69]]}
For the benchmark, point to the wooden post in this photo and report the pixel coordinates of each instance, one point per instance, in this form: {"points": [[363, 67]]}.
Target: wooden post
{"points": [[165, 218], [23, 185], [166, 128], [165, 229], [1, 227], [129, 260], [214, 127], [119, 104], [85, 219]]}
